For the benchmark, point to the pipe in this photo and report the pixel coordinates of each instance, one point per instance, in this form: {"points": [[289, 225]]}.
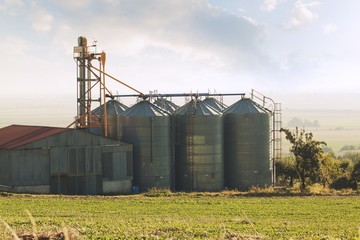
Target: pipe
{"points": [[179, 95], [126, 85]]}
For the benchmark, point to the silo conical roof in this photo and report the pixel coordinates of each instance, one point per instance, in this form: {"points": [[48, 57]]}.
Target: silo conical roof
{"points": [[244, 105], [144, 108], [214, 103], [196, 107], [113, 107], [166, 104]]}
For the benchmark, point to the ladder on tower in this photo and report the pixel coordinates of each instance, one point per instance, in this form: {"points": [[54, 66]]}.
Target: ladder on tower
{"points": [[276, 140], [274, 109], [190, 150]]}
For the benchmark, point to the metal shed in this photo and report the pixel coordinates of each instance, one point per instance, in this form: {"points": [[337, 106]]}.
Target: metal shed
{"points": [[38, 159]]}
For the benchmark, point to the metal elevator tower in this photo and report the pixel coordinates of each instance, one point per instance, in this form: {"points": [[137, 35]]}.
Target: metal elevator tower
{"points": [[90, 84]]}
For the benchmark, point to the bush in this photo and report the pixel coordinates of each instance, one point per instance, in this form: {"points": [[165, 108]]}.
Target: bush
{"points": [[341, 183], [158, 192]]}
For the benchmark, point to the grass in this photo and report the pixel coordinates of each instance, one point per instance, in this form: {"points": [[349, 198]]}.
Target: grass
{"points": [[164, 215]]}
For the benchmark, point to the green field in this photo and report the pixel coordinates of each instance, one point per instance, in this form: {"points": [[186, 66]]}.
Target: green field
{"points": [[186, 216]]}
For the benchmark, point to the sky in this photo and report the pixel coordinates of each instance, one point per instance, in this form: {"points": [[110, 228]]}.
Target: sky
{"points": [[303, 54]]}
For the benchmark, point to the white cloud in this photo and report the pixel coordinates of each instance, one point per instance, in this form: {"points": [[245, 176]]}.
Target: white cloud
{"points": [[13, 47], [11, 6], [330, 28], [302, 15], [189, 29], [41, 19], [73, 5], [269, 5], [251, 20]]}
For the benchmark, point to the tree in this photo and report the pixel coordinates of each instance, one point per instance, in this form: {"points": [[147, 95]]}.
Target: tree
{"points": [[307, 153], [343, 180], [355, 175], [353, 156], [285, 170], [329, 170]]}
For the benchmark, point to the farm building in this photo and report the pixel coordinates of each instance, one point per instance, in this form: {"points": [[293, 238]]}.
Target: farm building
{"points": [[36, 159], [201, 146]]}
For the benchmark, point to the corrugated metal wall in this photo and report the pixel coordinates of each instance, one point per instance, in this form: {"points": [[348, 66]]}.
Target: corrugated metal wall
{"points": [[152, 149], [199, 153], [76, 170], [81, 170], [29, 167], [68, 163], [5, 168], [198, 137], [246, 148]]}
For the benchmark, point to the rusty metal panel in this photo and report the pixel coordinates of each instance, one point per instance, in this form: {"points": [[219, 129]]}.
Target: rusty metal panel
{"points": [[16, 135], [26, 137]]}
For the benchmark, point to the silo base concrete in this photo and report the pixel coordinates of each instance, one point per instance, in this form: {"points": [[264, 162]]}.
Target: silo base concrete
{"points": [[117, 187], [40, 189]]}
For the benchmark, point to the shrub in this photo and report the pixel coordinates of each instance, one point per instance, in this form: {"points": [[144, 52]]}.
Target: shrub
{"points": [[158, 192]]}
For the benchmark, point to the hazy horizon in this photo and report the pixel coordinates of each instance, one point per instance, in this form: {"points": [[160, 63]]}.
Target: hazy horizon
{"points": [[61, 112]]}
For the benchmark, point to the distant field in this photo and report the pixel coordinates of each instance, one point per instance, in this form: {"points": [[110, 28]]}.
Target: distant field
{"points": [[335, 139], [337, 128], [187, 216], [328, 119]]}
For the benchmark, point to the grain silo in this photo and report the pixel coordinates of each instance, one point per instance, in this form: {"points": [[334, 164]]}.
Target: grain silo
{"points": [[246, 145], [148, 128], [198, 148], [113, 109], [214, 103], [166, 105]]}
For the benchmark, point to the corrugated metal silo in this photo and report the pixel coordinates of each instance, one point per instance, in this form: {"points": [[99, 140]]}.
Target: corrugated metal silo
{"points": [[166, 105], [198, 148], [246, 146], [214, 103], [113, 109], [148, 128]]}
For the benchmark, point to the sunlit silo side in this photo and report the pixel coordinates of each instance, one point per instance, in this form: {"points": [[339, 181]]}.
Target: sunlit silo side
{"points": [[246, 146], [214, 103], [166, 105], [198, 148], [113, 109], [148, 128]]}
